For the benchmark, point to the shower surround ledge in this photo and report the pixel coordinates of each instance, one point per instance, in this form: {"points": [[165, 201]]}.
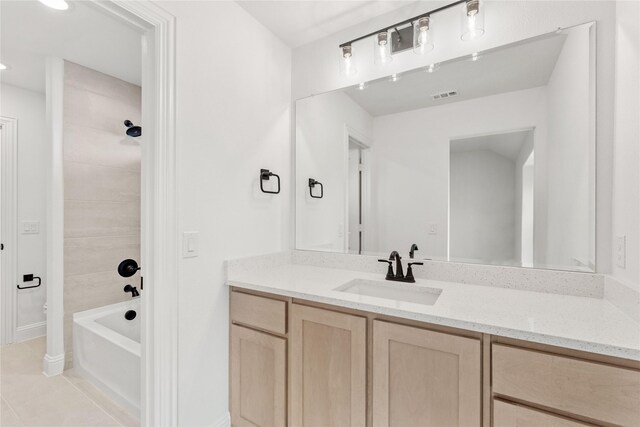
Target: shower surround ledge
{"points": [[557, 308]]}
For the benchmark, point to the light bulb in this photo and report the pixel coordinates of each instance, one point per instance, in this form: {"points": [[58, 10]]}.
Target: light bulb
{"points": [[56, 4], [422, 41], [3, 67], [382, 48], [471, 20], [432, 68], [347, 68]]}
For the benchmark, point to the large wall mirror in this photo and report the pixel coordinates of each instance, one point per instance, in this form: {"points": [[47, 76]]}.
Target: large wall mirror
{"points": [[488, 159]]}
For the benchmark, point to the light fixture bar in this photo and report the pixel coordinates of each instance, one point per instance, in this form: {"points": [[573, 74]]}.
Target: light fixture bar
{"points": [[406, 21]]}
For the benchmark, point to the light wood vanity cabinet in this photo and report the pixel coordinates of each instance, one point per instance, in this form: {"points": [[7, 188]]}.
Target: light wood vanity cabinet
{"points": [[328, 368], [258, 361], [258, 378], [296, 363], [581, 389], [426, 378]]}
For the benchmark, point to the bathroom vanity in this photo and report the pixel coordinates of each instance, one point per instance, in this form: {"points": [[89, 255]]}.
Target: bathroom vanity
{"points": [[308, 351], [483, 167]]}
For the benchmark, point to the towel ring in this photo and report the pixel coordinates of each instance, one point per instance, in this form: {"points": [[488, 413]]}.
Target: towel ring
{"points": [[312, 184], [265, 174]]}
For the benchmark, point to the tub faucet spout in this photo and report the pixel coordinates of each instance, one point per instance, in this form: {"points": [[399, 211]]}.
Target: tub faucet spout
{"points": [[133, 290]]}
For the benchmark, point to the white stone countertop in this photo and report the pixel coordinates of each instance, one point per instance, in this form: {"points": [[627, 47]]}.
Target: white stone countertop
{"points": [[581, 323]]}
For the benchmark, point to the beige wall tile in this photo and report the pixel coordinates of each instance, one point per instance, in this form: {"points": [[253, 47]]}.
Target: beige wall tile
{"points": [[83, 292], [90, 80], [84, 255], [96, 111], [84, 181], [100, 218], [85, 144]]}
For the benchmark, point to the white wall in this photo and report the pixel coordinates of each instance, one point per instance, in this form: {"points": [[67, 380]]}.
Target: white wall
{"points": [[482, 207], [321, 153], [567, 157], [626, 191], [29, 108], [233, 118], [410, 162], [315, 68]]}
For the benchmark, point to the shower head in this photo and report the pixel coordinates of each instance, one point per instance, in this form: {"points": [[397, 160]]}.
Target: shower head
{"points": [[134, 131]]}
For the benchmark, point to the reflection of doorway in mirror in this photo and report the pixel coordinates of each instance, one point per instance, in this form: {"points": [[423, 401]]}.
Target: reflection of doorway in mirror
{"points": [[355, 195], [491, 198]]}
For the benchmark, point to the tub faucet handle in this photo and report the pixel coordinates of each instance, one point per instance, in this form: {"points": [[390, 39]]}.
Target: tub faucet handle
{"points": [[128, 268]]}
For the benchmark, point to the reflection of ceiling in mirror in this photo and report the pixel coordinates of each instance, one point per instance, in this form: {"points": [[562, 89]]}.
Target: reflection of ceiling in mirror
{"points": [[508, 144], [516, 67]]}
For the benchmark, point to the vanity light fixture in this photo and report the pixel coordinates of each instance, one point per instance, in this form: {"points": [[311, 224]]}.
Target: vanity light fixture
{"points": [[3, 67], [422, 40], [56, 4], [387, 42], [472, 20], [382, 48]]}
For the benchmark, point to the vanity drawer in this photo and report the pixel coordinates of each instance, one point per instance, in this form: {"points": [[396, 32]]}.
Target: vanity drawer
{"points": [[573, 386], [513, 415], [260, 312]]}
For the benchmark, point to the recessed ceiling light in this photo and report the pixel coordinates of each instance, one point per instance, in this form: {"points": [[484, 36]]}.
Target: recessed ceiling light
{"points": [[3, 67], [56, 4]]}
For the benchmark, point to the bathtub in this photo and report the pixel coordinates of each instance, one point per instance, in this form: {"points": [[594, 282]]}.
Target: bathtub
{"points": [[106, 351]]}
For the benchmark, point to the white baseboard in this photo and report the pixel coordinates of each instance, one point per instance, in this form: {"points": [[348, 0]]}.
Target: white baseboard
{"points": [[223, 421], [53, 365], [29, 332]]}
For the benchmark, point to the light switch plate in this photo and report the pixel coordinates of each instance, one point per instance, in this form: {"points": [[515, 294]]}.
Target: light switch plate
{"points": [[433, 228], [190, 244], [30, 227], [621, 251]]}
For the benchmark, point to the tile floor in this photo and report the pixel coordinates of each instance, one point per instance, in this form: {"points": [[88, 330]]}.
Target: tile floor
{"points": [[28, 398]]}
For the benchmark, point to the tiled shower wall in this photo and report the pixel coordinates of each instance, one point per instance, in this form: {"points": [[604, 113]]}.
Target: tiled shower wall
{"points": [[101, 190]]}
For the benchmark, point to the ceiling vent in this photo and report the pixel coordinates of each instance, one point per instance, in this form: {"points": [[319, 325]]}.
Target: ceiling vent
{"points": [[444, 95]]}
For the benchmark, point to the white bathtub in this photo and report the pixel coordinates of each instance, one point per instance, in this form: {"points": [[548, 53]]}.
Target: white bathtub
{"points": [[106, 351]]}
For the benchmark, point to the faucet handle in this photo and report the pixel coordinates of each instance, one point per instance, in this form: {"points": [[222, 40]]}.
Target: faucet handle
{"points": [[390, 269], [409, 277]]}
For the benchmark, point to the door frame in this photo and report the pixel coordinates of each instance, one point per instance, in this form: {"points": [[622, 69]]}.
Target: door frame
{"points": [[159, 234], [365, 191], [8, 226]]}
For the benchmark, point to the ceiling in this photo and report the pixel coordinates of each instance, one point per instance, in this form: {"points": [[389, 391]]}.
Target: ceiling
{"points": [[84, 34], [515, 67], [507, 144], [297, 23]]}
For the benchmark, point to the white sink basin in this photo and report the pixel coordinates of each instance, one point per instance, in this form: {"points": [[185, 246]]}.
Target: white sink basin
{"points": [[392, 290]]}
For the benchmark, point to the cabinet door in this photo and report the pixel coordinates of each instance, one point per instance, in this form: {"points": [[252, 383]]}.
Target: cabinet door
{"points": [[511, 415], [424, 378], [328, 368], [258, 378]]}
